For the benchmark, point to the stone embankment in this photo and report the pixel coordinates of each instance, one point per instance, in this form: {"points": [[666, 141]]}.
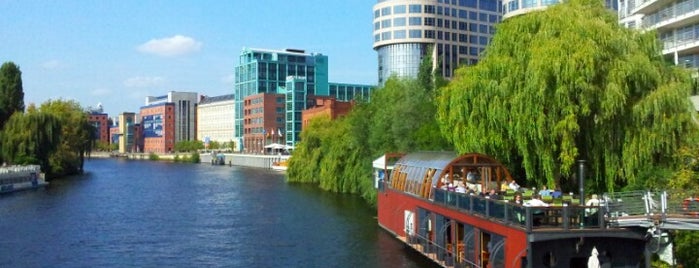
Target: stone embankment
{"points": [[231, 159]]}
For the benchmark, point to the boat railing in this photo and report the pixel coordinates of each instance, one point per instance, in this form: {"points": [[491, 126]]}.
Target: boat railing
{"points": [[9, 172], [564, 217]]}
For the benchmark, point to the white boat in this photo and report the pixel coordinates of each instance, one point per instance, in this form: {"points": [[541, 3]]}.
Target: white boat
{"points": [[17, 178], [279, 166]]}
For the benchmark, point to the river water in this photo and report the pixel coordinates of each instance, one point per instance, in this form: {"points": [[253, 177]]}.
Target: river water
{"points": [[131, 213]]}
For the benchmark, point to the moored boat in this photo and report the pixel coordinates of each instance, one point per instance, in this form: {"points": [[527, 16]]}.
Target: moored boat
{"points": [[418, 204], [17, 178], [280, 165]]}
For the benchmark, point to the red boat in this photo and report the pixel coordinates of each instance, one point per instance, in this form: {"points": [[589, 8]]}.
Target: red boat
{"points": [[457, 229]]}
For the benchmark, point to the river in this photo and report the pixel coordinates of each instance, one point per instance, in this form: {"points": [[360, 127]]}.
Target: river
{"points": [[131, 213]]}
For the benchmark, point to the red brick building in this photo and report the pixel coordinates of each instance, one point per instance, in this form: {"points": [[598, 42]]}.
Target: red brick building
{"points": [[263, 116], [158, 128], [326, 106], [101, 123]]}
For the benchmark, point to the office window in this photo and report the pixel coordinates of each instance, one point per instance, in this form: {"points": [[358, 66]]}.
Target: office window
{"points": [[429, 9], [377, 26], [415, 21], [386, 36], [386, 23], [483, 17], [397, 22], [415, 34], [386, 11], [483, 40], [399, 34], [415, 9], [377, 13], [429, 33], [483, 28], [399, 9], [429, 21]]}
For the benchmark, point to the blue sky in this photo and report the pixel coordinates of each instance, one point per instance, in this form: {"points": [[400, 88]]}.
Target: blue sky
{"points": [[118, 52]]}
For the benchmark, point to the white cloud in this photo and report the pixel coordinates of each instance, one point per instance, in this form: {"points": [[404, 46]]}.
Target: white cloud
{"points": [[52, 65], [101, 92], [170, 46], [144, 81]]}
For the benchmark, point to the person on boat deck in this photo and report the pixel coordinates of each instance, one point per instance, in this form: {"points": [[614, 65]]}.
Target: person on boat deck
{"points": [[536, 202], [503, 186], [513, 185], [592, 202], [557, 193], [518, 199], [544, 191], [460, 188], [450, 187], [492, 194]]}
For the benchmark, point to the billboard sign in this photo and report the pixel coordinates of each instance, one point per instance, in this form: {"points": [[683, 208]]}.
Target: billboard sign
{"points": [[152, 126]]}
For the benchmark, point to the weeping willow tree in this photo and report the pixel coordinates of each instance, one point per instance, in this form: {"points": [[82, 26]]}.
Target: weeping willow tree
{"points": [[30, 139], [77, 136], [565, 84]]}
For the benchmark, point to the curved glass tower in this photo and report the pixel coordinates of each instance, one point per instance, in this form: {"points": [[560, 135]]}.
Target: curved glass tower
{"points": [[458, 30]]}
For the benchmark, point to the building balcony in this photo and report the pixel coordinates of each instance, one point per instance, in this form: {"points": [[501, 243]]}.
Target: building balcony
{"points": [[678, 21], [650, 6]]}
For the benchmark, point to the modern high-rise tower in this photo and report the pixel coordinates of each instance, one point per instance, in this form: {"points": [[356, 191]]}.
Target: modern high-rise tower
{"points": [[676, 22], [457, 30]]}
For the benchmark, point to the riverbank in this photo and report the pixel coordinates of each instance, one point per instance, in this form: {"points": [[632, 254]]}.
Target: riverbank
{"points": [[230, 159]]}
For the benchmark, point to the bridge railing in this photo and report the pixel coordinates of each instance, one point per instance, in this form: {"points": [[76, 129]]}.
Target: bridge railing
{"points": [[653, 205]]}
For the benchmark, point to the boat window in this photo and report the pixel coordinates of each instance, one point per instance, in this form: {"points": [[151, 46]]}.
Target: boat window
{"points": [[469, 244], [497, 254], [549, 259]]}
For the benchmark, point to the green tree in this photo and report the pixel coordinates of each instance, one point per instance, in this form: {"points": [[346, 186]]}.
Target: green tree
{"points": [[570, 83], [77, 137], [188, 146], [11, 92], [30, 139]]}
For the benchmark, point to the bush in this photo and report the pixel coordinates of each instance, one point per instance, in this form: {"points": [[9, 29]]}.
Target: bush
{"points": [[194, 158], [153, 157]]}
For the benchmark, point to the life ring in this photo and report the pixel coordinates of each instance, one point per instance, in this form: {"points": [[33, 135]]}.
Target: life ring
{"points": [[691, 206]]}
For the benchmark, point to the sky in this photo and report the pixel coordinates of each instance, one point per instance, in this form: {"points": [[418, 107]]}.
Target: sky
{"points": [[119, 52]]}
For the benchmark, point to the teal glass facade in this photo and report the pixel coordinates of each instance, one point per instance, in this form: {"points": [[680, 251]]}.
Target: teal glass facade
{"points": [[266, 71], [294, 74], [297, 101]]}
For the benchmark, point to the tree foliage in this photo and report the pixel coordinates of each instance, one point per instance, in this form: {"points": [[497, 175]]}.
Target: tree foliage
{"points": [[77, 136], [11, 91], [337, 155], [188, 146], [30, 139], [569, 83]]}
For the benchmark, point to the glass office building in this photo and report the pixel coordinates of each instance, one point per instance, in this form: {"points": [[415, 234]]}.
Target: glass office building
{"points": [[266, 71], [293, 74], [676, 22], [457, 30]]}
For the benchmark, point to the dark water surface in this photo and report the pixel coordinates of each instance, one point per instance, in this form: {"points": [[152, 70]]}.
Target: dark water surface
{"points": [[150, 214]]}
